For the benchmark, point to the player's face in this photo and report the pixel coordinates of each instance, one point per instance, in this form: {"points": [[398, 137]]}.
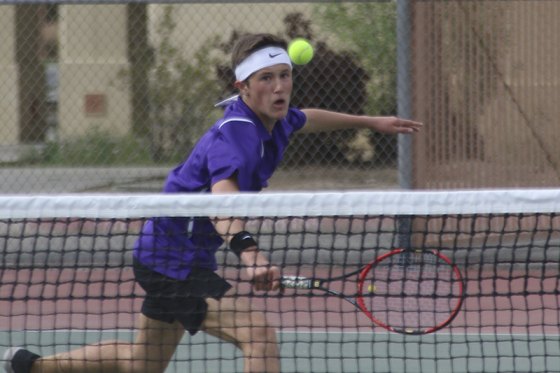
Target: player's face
{"points": [[268, 93]]}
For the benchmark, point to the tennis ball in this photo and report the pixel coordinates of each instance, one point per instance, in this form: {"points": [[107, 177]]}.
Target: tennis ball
{"points": [[300, 51], [371, 288]]}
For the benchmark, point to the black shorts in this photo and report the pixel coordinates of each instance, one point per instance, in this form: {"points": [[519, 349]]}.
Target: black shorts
{"points": [[169, 300]]}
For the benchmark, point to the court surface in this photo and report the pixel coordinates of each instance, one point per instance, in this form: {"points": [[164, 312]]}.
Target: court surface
{"points": [[345, 351], [316, 333], [510, 321]]}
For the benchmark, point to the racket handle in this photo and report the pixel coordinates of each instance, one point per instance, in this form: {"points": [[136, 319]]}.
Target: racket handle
{"points": [[296, 282]]}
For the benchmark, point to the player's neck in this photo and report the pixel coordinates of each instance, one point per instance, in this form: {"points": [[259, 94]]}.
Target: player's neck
{"points": [[267, 120], [269, 124]]}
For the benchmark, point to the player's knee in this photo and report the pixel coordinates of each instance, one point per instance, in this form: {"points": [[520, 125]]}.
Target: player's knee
{"points": [[143, 366], [133, 362], [261, 340]]}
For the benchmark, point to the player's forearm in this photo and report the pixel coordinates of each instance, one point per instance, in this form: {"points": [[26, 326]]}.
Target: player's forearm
{"points": [[253, 258], [323, 120], [238, 240], [248, 254], [227, 228]]}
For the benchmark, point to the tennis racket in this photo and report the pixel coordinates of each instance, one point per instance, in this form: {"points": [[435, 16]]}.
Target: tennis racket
{"points": [[404, 291]]}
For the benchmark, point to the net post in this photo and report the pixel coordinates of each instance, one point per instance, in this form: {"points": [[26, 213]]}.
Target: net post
{"points": [[404, 92], [404, 223], [404, 231]]}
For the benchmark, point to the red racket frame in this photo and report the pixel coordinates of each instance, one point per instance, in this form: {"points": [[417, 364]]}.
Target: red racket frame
{"points": [[361, 303]]}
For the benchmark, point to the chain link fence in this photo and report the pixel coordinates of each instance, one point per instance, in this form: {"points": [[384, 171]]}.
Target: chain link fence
{"points": [[125, 89]]}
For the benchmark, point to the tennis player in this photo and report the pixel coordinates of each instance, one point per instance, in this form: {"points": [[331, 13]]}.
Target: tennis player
{"points": [[174, 258]]}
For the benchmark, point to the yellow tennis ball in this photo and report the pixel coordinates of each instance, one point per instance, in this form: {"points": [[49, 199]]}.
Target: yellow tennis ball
{"points": [[371, 288], [300, 51]]}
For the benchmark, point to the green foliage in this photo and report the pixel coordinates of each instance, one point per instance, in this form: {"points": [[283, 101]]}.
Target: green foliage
{"points": [[182, 90], [333, 80], [368, 30], [96, 148]]}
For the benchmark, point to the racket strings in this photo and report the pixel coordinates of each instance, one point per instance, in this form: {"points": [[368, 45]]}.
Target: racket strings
{"points": [[413, 291]]}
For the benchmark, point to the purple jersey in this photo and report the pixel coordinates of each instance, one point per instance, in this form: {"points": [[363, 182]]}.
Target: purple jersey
{"points": [[236, 144]]}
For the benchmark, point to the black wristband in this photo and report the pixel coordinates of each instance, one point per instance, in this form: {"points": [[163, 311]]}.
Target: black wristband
{"points": [[241, 241]]}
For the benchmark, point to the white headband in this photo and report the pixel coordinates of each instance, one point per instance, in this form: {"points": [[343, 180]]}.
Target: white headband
{"points": [[260, 59]]}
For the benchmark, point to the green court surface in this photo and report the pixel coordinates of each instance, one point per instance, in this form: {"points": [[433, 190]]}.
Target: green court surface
{"points": [[338, 351]]}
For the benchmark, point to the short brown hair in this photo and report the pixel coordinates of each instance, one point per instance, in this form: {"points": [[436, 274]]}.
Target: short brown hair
{"points": [[249, 43]]}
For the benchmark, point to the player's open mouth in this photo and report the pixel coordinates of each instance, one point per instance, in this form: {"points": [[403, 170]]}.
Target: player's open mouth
{"points": [[279, 102]]}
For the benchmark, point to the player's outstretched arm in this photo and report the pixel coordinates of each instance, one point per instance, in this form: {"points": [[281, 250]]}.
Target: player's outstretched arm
{"points": [[319, 120]]}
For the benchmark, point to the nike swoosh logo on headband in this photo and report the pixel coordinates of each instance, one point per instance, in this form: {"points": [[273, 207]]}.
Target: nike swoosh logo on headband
{"points": [[274, 55]]}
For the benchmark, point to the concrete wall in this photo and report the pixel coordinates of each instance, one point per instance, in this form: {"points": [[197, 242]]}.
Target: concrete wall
{"points": [[198, 22], [93, 51], [9, 116]]}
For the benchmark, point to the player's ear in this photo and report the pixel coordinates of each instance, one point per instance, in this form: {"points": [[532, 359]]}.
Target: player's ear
{"points": [[242, 87]]}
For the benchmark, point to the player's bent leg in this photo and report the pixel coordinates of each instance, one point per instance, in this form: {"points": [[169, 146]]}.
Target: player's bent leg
{"points": [[151, 352], [233, 320], [155, 344], [107, 355]]}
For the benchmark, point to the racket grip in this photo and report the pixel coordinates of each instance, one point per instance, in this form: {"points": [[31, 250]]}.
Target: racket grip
{"points": [[296, 282]]}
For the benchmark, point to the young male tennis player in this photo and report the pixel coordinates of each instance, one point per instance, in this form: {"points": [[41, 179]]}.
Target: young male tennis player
{"points": [[174, 258]]}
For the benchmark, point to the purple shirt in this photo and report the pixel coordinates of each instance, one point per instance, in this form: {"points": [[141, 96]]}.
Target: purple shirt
{"points": [[237, 143]]}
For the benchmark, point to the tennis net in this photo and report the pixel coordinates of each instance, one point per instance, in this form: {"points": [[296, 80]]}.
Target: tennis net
{"points": [[66, 275]]}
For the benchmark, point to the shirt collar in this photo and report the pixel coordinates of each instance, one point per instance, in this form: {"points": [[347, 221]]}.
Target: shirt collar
{"points": [[240, 108]]}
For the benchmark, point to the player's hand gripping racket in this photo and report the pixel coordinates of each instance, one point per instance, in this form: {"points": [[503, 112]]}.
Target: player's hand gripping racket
{"points": [[403, 291]]}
